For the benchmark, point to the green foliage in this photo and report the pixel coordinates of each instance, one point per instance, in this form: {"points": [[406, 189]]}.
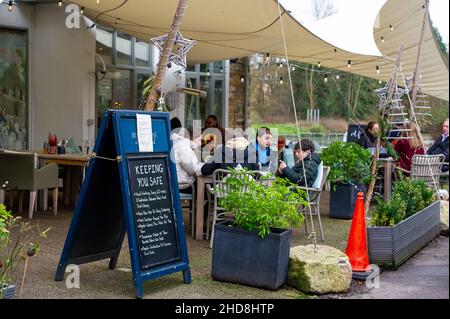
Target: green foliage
{"points": [[349, 163], [14, 248], [408, 198], [317, 129], [148, 84], [260, 206]]}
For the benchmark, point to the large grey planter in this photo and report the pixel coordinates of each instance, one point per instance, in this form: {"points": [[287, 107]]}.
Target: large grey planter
{"points": [[7, 291], [241, 257], [391, 246]]}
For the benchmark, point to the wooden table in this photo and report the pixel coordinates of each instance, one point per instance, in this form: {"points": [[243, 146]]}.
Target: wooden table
{"points": [[200, 204], [76, 168]]}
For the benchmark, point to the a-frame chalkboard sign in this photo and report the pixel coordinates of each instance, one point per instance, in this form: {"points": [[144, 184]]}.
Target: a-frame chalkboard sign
{"points": [[130, 187]]}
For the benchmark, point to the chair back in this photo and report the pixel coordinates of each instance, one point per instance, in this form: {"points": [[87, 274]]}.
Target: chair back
{"points": [[18, 169], [427, 168]]}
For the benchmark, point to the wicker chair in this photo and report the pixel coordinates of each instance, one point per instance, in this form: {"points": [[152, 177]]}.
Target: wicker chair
{"points": [[427, 168]]}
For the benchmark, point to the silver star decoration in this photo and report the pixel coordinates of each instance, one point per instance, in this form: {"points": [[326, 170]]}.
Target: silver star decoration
{"points": [[183, 46], [397, 95]]}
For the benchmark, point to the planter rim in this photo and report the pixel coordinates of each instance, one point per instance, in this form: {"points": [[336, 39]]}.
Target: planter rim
{"points": [[229, 225], [405, 220]]}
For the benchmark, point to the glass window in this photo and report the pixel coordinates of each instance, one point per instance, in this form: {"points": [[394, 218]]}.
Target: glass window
{"points": [[123, 93], [217, 106], [104, 45], [123, 48], [141, 78], [13, 90], [142, 54], [192, 109], [204, 68], [218, 67], [104, 98]]}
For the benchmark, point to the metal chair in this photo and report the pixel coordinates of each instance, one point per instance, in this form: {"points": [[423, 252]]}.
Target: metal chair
{"points": [[189, 197], [215, 192], [314, 198], [427, 168]]}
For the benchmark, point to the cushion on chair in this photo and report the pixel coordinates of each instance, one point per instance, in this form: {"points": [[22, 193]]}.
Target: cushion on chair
{"points": [[319, 177]]}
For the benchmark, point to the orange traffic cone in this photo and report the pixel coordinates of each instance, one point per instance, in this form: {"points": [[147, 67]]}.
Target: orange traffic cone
{"points": [[357, 243]]}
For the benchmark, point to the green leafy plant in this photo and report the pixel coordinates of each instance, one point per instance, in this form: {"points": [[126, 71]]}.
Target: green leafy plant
{"points": [[16, 244], [349, 163], [259, 206], [409, 197]]}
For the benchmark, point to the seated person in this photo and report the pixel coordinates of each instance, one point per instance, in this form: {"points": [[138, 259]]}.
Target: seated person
{"points": [[369, 137], [234, 152], [440, 146], [407, 148], [182, 154], [212, 129], [307, 158], [261, 147]]}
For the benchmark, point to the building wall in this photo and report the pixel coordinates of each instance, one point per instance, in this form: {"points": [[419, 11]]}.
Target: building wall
{"points": [[62, 77]]}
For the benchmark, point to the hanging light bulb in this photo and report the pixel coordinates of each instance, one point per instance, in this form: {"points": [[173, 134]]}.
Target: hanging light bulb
{"points": [[318, 64], [335, 50], [221, 69], [242, 79], [98, 1], [382, 39], [293, 68], [337, 77], [60, 3], [10, 6], [391, 27], [280, 65], [349, 64], [379, 81], [82, 10], [281, 80], [378, 70], [325, 78]]}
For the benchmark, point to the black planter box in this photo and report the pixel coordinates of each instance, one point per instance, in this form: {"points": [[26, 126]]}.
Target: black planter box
{"points": [[391, 246], [8, 291], [242, 257], [343, 200]]}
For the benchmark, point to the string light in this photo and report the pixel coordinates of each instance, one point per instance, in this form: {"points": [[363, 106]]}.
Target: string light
{"points": [[10, 6], [379, 81], [382, 39], [98, 1], [281, 80], [325, 78], [349, 64], [82, 10], [318, 64], [242, 79], [335, 50], [208, 73], [378, 70], [337, 77], [280, 65], [221, 69], [60, 3], [391, 27], [267, 57]]}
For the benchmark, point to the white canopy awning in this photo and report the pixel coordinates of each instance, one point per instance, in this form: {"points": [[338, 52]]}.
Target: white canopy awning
{"points": [[236, 28]]}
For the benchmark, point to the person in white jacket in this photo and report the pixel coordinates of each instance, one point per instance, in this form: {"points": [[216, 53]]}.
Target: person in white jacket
{"points": [[187, 163]]}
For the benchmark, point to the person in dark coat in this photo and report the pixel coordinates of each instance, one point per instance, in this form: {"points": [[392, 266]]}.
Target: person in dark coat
{"points": [[440, 146], [310, 160], [236, 151], [369, 137]]}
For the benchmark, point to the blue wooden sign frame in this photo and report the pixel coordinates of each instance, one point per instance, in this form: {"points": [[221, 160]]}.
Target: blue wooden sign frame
{"points": [[116, 146]]}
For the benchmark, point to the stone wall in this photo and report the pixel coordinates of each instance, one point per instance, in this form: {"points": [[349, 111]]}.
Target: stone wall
{"points": [[236, 110]]}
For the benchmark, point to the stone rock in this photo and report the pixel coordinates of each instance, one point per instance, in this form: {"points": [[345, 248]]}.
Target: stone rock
{"points": [[444, 217], [326, 271]]}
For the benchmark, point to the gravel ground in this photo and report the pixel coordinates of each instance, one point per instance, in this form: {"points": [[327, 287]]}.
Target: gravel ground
{"points": [[98, 281]]}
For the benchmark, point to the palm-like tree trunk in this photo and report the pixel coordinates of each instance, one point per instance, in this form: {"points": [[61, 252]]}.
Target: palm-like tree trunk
{"points": [[164, 59]]}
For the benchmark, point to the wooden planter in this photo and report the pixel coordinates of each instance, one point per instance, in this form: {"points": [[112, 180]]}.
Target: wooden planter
{"points": [[8, 291], [242, 257], [391, 246]]}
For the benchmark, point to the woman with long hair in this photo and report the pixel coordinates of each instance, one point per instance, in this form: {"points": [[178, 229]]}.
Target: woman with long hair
{"points": [[407, 148]]}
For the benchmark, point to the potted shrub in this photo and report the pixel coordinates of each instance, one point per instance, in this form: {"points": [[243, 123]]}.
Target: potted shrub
{"points": [[16, 246], [253, 248], [400, 227], [349, 173]]}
